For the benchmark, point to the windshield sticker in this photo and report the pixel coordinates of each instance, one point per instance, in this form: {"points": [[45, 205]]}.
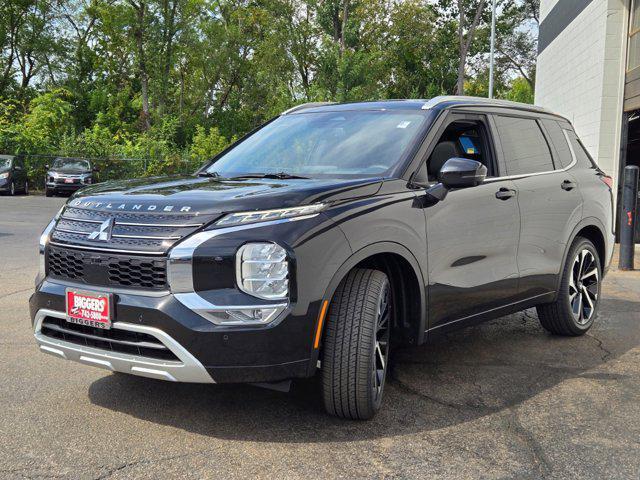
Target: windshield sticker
{"points": [[404, 124]]}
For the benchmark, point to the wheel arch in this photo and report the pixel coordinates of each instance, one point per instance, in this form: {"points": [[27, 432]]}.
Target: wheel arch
{"points": [[406, 278], [592, 229]]}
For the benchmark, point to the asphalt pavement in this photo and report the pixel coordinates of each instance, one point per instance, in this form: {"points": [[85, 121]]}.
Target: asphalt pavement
{"points": [[501, 400]]}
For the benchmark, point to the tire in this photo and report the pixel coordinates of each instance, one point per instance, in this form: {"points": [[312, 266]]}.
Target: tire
{"points": [[355, 354], [575, 309], [48, 192], [12, 189], [26, 187]]}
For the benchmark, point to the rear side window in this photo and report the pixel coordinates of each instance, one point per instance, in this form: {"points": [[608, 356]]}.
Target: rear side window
{"points": [[524, 146], [559, 141], [582, 156]]}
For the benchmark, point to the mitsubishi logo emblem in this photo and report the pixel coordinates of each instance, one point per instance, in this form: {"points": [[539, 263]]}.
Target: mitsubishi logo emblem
{"points": [[103, 234]]}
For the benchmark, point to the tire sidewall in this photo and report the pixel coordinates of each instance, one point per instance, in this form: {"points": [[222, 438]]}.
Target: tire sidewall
{"points": [[377, 397], [579, 245]]}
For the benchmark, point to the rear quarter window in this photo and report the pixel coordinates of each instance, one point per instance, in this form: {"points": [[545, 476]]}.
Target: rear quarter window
{"points": [[559, 142], [582, 155], [524, 146]]}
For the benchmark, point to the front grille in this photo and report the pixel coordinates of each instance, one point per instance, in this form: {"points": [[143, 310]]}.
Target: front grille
{"points": [[116, 340], [145, 233], [106, 269]]}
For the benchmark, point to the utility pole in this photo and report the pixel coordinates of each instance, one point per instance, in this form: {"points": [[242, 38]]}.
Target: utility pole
{"points": [[493, 47]]}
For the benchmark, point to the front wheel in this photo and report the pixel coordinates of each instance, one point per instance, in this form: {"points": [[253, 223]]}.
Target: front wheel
{"points": [[355, 355], [576, 307], [12, 189], [26, 187]]}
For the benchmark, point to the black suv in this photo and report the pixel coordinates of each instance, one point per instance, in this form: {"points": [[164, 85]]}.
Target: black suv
{"points": [[13, 175], [323, 238], [67, 175]]}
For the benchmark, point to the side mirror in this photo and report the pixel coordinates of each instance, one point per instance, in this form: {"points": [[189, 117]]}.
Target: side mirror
{"points": [[47, 166], [462, 173]]}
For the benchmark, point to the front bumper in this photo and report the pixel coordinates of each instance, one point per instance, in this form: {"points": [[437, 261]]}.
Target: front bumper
{"points": [[207, 353], [66, 187], [186, 369]]}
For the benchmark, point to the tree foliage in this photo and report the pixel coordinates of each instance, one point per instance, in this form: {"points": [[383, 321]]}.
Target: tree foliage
{"points": [[175, 81]]}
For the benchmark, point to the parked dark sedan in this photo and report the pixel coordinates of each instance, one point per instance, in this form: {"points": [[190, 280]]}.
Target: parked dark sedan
{"points": [[67, 175], [13, 175]]}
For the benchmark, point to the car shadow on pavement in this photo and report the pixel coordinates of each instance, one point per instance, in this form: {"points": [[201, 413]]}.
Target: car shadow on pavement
{"points": [[466, 375]]}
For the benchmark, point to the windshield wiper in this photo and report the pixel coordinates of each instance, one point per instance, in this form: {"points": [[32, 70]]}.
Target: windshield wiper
{"points": [[277, 176], [209, 174]]}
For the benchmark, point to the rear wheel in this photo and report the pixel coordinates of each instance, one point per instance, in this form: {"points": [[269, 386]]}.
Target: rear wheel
{"points": [[576, 307], [356, 346]]}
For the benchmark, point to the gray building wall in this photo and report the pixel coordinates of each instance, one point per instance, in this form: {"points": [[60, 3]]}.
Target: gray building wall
{"points": [[581, 70]]}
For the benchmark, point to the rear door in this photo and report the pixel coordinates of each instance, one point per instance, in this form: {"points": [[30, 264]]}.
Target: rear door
{"points": [[533, 156]]}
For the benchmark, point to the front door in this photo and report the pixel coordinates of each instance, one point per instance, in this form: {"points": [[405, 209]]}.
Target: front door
{"points": [[472, 235]]}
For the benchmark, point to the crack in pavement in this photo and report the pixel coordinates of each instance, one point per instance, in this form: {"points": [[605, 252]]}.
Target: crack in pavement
{"points": [[607, 353], [542, 463], [115, 469], [402, 386], [13, 293]]}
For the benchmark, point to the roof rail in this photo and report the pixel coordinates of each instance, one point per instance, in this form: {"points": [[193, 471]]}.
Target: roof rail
{"points": [[303, 106], [466, 100]]}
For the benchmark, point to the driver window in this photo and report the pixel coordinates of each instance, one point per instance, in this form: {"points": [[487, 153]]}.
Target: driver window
{"points": [[462, 139]]}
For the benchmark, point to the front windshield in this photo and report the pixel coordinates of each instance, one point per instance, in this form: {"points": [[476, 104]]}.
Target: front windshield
{"points": [[5, 163], [70, 164], [353, 143]]}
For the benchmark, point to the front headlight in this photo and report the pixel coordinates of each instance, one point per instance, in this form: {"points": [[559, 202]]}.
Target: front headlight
{"points": [[266, 215], [262, 270], [4, 175]]}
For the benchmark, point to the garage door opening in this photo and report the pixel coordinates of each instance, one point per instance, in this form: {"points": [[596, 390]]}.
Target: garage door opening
{"points": [[630, 156]]}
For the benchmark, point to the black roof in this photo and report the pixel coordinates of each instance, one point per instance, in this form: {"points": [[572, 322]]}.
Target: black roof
{"points": [[436, 103]]}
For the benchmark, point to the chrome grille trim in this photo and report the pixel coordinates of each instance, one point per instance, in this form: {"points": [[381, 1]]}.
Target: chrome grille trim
{"points": [[111, 250], [141, 233], [168, 225]]}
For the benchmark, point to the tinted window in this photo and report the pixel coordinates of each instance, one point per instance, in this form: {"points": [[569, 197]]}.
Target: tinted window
{"points": [[524, 146], [559, 141], [328, 143], [582, 156]]}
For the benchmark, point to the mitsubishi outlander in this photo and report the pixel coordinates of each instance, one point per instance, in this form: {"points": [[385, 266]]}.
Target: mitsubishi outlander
{"points": [[323, 239]]}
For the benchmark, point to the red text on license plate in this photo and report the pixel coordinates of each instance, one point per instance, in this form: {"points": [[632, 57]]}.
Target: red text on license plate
{"points": [[88, 309]]}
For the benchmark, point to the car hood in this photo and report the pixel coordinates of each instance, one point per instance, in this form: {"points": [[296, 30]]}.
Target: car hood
{"points": [[202, 195]]}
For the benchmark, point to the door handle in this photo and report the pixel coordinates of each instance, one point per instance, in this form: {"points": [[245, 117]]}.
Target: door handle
{"points": [[568, 185], [505, 193]]}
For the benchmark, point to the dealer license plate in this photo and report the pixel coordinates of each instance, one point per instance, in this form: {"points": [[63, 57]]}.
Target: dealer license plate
{"points": [[89, 308]]}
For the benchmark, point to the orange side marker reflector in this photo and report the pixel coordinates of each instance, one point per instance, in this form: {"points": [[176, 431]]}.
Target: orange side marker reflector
{"points": [[323, 313]]}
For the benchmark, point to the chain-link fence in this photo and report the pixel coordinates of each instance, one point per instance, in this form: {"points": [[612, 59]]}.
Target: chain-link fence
{"points": [[112, 168]]}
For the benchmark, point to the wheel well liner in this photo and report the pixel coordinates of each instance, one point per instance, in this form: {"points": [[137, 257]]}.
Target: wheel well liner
{"points": [[406, 279]]}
